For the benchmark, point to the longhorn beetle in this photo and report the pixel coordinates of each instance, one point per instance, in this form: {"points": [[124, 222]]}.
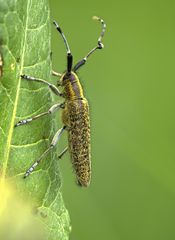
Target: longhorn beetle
{"points": [[75, 113]]}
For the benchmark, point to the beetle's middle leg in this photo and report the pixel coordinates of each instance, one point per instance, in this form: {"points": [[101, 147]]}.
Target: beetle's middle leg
{"points": [[52, 145], [50, 111]]}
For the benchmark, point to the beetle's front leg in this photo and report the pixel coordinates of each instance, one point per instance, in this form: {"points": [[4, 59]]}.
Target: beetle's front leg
{"points": [[56, 74], [52, 87]]}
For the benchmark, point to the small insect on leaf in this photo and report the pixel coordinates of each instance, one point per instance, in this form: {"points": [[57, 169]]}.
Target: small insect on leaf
{"points": [[75, 113]]}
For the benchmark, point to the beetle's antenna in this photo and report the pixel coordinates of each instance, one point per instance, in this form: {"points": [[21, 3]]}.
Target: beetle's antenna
{"points": [[69, 55], [103, 29], [99, 45]]}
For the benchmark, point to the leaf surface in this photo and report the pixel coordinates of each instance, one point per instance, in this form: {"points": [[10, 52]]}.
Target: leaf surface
{"points": [[25, 49]]}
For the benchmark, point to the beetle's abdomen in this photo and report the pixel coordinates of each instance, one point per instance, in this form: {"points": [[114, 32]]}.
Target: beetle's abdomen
{"points": [[76, 117]]}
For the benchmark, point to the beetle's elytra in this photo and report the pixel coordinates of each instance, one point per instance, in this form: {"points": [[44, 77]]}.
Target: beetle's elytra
{"points": [[75, 114]]}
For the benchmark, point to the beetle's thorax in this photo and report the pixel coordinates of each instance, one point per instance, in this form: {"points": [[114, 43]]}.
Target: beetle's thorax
{"points": [[72, 88]]}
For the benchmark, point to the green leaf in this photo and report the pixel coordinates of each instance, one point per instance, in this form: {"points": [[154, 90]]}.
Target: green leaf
{"points": [[25, 49]]}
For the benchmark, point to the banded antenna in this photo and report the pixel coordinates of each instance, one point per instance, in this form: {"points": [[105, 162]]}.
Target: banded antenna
{"points": [[103, 29], [99, 44], [69, 55]]}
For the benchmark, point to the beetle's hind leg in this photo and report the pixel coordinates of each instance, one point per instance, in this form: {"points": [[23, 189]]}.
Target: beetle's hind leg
{"points": [[52, 145], [50, 111], [63, 152]]}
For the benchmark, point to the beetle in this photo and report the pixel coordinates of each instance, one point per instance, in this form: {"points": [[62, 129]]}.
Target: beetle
{"points": [[75, 114]]}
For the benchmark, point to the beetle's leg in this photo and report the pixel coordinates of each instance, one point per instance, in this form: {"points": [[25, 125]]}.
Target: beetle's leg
{"points": [[51, 86], [50, 111], [56, 74], [52, 145], [99, 45], [62, 153]]}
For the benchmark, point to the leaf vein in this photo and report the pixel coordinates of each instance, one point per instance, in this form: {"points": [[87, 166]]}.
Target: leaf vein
{"points": [[9, 138], [29, 144], [33, 90], [31, 114], [2, 131], [36, 64], [7, 94]]}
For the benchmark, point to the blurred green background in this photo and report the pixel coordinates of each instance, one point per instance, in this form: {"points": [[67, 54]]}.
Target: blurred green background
{"points": [[130, 86]]}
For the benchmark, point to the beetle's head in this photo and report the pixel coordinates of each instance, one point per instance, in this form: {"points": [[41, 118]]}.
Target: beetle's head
{"points": [[68, 77]]}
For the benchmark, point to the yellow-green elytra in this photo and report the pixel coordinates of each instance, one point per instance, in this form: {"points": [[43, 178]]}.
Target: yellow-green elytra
{"points": [[75, 114]]}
